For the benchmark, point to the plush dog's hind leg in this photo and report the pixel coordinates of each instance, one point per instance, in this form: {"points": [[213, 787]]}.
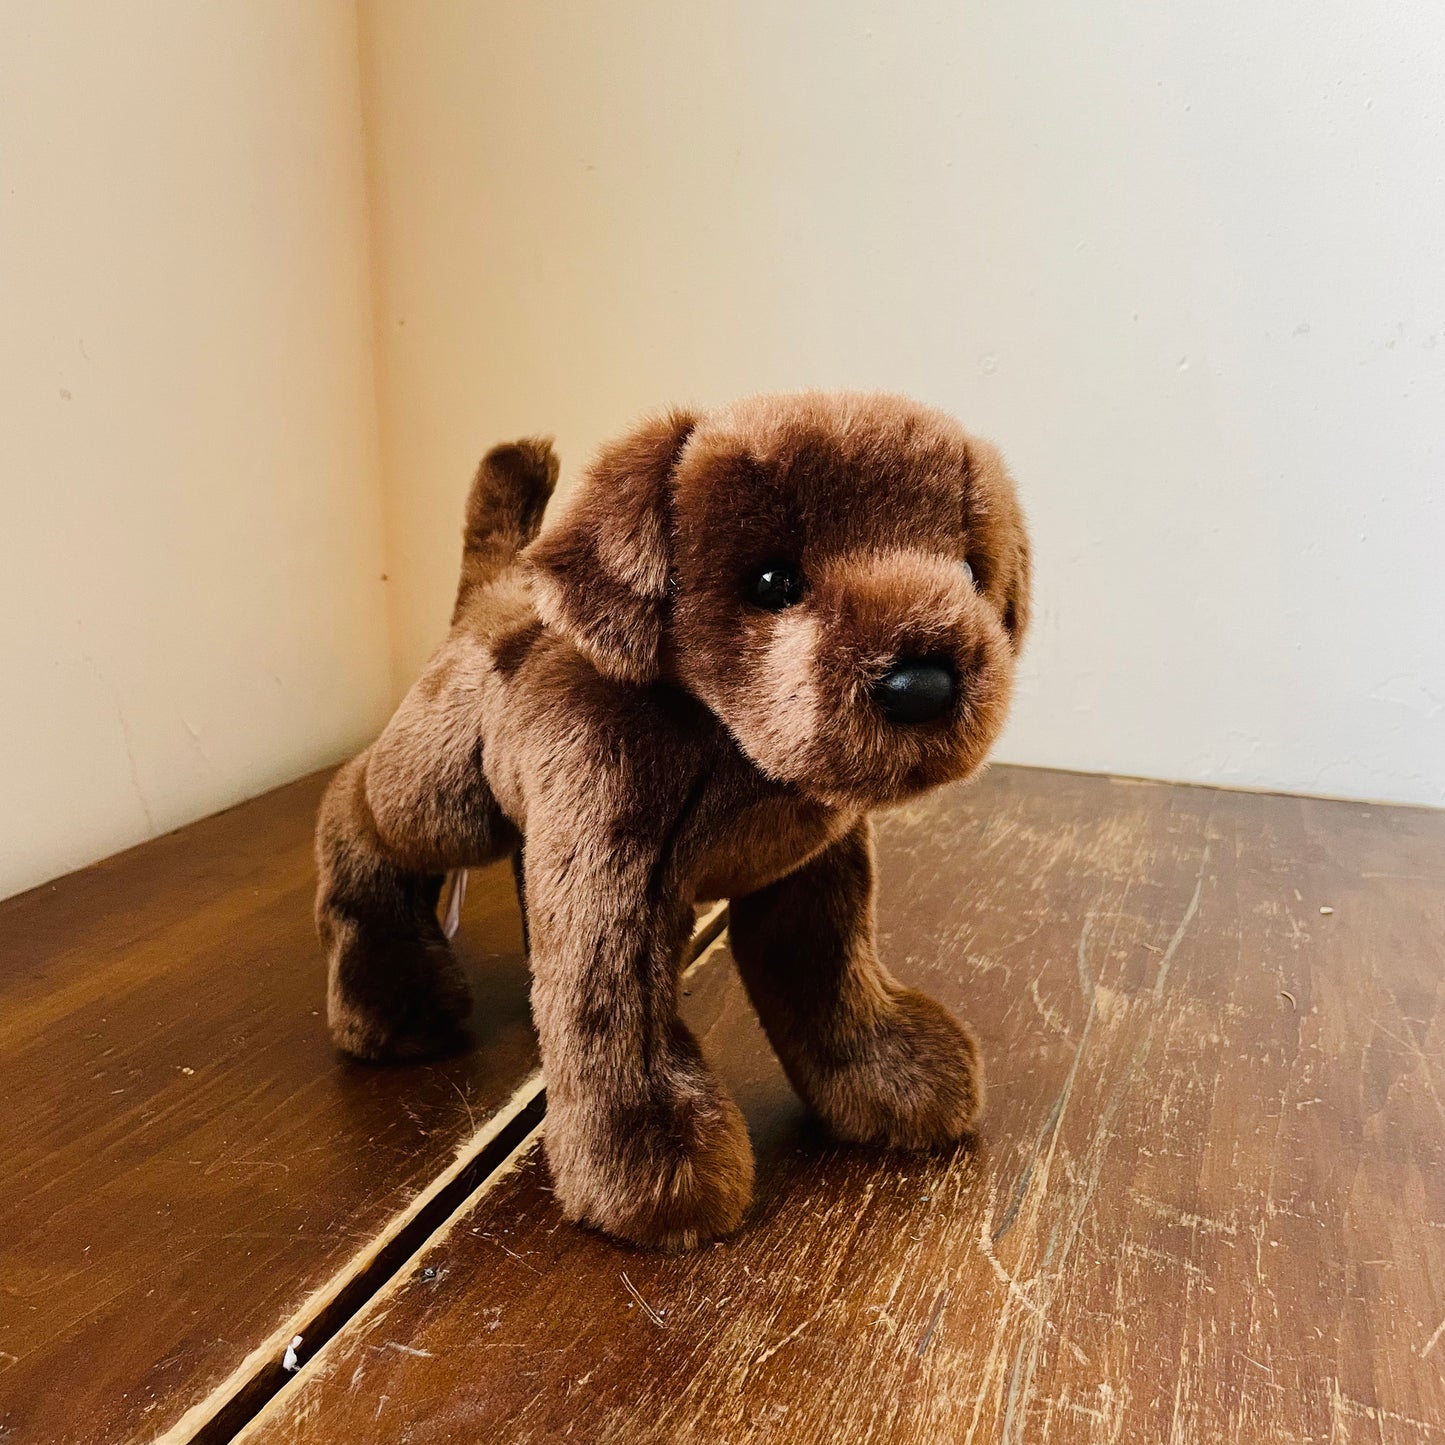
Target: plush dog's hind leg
{"points": [[417, 803], [394, 990], [880, 1063]]}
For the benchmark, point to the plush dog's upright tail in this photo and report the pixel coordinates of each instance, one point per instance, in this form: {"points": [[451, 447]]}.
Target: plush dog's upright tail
{"points": [[504, 510]]}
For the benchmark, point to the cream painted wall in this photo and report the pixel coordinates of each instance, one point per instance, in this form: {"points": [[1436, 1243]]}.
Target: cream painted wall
{"points": [[1184, 263], [190, 529]]}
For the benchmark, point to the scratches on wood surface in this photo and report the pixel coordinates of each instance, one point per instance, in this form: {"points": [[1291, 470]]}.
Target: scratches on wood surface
{"points": [[1192, 1214], [647, 1309]]}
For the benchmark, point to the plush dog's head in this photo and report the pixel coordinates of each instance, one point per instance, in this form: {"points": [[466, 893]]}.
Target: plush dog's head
{"points": [[842, 578]]}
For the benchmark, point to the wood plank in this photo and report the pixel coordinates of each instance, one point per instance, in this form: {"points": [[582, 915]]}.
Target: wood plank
{"points": [[185, 1163], [1207, 1202]]}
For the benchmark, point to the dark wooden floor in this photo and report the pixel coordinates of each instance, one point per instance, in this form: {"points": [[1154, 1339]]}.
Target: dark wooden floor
{"points": [[185, 1166], [1207, 1202]]}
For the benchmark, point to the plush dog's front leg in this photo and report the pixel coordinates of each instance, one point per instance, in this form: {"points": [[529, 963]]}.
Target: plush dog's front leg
{"points": [[642, 1140], [879, 1062]]}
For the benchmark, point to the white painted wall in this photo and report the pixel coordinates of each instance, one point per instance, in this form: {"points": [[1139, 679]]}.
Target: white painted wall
{"points": [[1184, 263], [191, 607]]}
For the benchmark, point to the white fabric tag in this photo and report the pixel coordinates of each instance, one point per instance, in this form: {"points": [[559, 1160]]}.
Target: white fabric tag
{"points": [[456, 891]]}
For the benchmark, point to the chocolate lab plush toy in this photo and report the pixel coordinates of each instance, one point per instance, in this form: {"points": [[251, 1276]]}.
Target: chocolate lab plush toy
{"points": [[751, 627]]}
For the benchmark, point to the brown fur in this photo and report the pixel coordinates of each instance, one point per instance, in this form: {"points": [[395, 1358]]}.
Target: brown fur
{"points": [[608, 693]]}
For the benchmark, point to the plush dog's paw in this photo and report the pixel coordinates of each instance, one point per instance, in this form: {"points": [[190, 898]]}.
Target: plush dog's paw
{"points": [[667, 1177], [911, 1079], [398, 1002]]}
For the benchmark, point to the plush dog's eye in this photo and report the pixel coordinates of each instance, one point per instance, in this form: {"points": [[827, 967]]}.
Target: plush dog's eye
{"points": [[776, 586]]}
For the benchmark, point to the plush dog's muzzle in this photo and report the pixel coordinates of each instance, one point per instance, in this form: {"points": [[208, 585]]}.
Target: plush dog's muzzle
{"points": [[888, 677]]}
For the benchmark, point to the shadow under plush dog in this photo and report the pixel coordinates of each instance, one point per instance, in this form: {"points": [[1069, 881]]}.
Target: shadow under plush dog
{"points": [[751, 627]]}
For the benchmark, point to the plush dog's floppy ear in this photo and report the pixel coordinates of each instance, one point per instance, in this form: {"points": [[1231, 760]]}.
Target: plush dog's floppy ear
{"points": [[1017, 582], [1002, 523], [600, 574]]}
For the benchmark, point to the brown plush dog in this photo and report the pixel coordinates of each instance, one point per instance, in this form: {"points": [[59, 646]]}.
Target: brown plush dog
{"points": [[751, 627]]}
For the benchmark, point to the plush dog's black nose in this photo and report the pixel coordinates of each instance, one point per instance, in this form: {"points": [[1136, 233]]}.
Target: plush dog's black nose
{"points": [[915, 691]]}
